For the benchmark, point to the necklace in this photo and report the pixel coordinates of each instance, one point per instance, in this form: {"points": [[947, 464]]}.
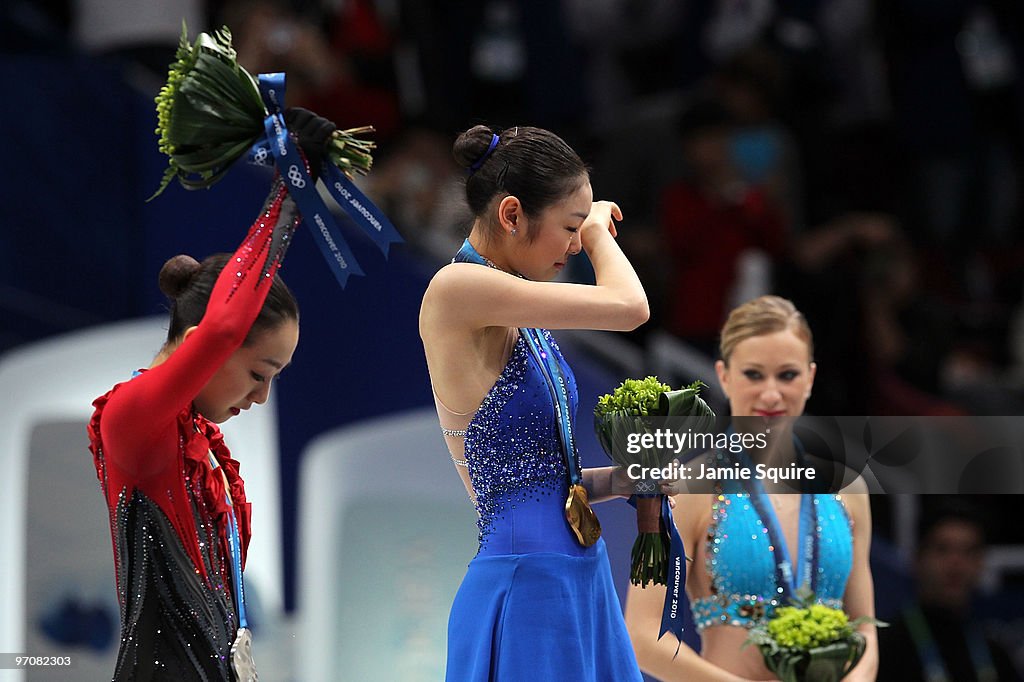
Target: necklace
{"points": [[491, 264]]}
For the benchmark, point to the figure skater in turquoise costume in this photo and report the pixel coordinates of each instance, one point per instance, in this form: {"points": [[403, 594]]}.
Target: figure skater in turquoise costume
{"points": [[743, 537], [537, 602]]}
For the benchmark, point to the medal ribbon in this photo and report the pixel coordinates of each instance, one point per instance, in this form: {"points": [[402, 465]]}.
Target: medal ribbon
{"points": [[807, 550], [235, 549], [543, 354]]}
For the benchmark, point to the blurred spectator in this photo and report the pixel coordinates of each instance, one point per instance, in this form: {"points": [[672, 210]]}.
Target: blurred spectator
{"points": [[32, 27], [937, 638], [635, 54], [714, 223], [419, 186], [909, 333], [364, 37], [502, 62], [329, 79], [954, 74], [853, 52], [751, 86], [822, 274], [633, 164]]}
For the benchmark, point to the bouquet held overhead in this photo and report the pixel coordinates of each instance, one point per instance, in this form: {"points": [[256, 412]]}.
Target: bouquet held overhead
{"points": [[211, 112]]}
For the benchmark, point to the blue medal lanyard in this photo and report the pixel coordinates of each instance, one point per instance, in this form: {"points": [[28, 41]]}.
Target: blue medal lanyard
{"points": [[235, 548], [807, 558], [542, 352]]}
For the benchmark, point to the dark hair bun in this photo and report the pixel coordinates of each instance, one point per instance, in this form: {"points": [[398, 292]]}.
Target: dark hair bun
{"points": [[472, 145], [176, 274]]}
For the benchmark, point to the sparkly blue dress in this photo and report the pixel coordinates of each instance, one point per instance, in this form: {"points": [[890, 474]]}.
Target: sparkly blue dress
{"points": [[740, 561], [535, 605]]}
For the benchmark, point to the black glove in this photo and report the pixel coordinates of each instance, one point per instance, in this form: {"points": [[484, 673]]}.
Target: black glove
{"points": [[313, 133]]}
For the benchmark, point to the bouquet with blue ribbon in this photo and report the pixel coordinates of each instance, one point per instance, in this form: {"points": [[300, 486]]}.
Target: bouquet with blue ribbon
{"points": [[211, 112], [619, 418]]}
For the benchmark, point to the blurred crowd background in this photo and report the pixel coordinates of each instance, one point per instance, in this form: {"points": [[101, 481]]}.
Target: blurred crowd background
{"points": [[864, 158]]}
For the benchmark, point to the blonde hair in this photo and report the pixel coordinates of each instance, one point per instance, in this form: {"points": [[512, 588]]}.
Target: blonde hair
{"points": [[763, 315]]}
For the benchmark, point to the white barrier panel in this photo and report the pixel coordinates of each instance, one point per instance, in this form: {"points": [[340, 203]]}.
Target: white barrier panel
{"points": [[386, 533]]}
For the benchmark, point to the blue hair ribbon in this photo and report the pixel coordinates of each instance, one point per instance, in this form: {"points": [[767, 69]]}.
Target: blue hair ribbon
{"points": [[479, 162]]}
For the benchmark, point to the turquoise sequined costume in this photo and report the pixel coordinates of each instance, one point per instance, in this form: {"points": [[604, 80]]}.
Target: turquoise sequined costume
{"points": [[741, 564]]}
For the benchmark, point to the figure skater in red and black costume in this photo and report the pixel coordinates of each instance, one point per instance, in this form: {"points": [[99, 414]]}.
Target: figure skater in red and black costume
{"points": [[178, 513]]}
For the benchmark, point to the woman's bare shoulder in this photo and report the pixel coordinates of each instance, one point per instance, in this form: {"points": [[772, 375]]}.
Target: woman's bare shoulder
{"points": [[692, 512]]}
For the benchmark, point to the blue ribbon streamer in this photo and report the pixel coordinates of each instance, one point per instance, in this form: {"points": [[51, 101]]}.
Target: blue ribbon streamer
{"points": [[672, 611], [359, 207], [302, 187], [350, 198]]}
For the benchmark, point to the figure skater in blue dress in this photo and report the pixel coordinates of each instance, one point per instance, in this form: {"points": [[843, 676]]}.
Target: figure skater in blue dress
{"points": [[537, 602]]}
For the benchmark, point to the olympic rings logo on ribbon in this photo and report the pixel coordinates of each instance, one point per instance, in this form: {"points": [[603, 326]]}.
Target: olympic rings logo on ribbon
{"points": [[295, 177]]}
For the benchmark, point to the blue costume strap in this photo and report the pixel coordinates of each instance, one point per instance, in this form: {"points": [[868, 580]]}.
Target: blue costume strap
{"points": [[302, 187], [468, 254], [808, 551], [235, 547]]}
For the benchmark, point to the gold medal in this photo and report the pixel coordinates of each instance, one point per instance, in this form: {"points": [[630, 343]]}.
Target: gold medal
{"points": [[242, 662], [581, 517]]}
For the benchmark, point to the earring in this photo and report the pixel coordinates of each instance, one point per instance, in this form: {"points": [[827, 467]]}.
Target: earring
{"points": [[513, 232]]}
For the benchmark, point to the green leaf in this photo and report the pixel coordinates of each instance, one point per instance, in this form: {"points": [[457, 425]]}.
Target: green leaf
{"points": [[204, 181], [211, 157]]}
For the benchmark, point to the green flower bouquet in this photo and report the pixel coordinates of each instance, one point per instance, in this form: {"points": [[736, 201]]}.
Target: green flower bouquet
{"points": [[812, 643], [620, 416], [210, 113]]}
